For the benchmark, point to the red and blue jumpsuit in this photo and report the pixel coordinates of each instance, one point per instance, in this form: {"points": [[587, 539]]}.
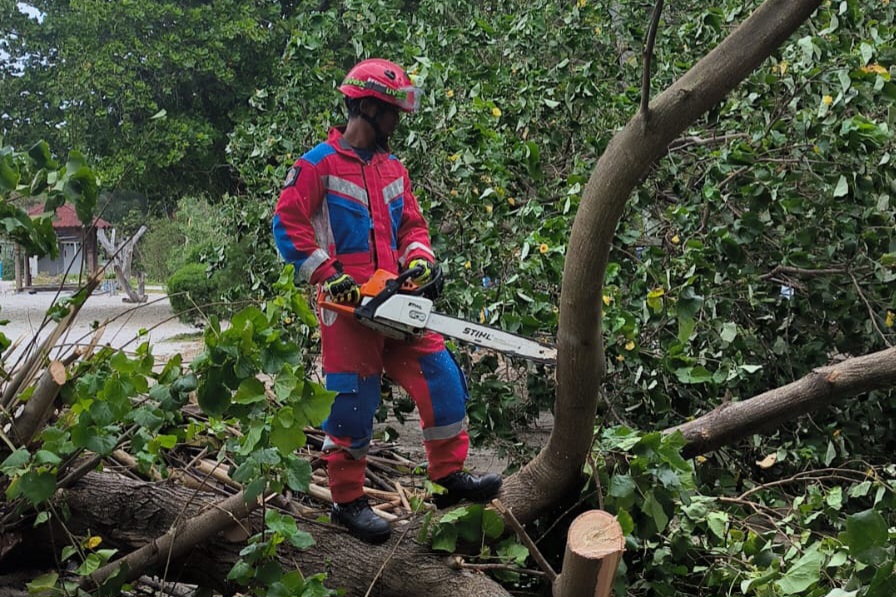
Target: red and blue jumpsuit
{"points": [[337, 207]]}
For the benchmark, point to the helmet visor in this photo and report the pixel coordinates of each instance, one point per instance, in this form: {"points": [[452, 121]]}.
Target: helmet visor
{"points": [[406, 98]]}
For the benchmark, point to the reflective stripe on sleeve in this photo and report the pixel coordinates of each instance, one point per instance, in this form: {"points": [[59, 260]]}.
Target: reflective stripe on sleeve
{"points": [[412, 247], [312, 263]]}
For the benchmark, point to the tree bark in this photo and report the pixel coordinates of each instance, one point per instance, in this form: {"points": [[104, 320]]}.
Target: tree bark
{"points": [[129, 514], [556, 471], [39, 407], [593, 549], [735, 420]]}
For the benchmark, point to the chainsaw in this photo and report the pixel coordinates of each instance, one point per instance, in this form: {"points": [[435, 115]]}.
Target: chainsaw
{"points": [[397, 308]]}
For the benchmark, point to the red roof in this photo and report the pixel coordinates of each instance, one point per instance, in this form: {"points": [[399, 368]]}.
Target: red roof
{"points": [[66, 217]]}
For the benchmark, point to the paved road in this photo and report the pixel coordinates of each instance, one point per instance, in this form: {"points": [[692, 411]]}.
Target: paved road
{"points": [[25, 314]]}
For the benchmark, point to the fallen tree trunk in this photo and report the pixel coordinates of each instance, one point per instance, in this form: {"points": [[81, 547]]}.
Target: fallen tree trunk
{"points": [[129, 514], [735, 420]]}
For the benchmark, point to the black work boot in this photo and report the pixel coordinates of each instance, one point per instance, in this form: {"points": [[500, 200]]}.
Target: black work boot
{"points": [[361, 521], [464, 486]]}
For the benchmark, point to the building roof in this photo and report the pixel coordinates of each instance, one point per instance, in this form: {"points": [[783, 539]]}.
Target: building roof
{"points": [[66, 217]]}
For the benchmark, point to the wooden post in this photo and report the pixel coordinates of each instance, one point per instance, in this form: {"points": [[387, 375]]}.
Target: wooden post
{"points": [[594, 547], [19, 271]]}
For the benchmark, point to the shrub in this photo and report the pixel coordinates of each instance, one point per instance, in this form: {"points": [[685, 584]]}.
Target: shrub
{"points": [[192, 293]]}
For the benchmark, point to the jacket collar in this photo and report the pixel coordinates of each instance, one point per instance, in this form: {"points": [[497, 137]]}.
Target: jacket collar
{"points": [[337, 140]]}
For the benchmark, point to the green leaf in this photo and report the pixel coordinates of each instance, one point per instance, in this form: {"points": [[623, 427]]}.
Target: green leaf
{"points": [[842, 187], [44, 585], [301, 540], [250, 390], [693, 375], [685, 328], [626, 522], [46, 457], [689, 303], [15, 461], [90, 565], [834, 498], [213, 395], [37, 487], [513, 552], [729, 332], [9, 174], [492, 524], [622, 486], [444, 538], [242, 572], [280, 523], [286, 439], [652, 508], [315, 404], [68, 551], [254, 489], [804, 573], [40, 153], [298, 474], [718, 523], [867, 537]]}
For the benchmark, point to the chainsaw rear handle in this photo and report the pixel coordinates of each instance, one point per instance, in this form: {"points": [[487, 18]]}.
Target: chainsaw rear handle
{"points": [[394, 285]]}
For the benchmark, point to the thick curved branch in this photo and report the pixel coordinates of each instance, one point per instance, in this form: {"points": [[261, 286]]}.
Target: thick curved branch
{"points": [[549, 478]]}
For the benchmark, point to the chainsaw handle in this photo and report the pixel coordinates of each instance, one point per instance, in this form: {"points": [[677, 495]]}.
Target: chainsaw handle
{"points": [[431, 289], [368, 310]]}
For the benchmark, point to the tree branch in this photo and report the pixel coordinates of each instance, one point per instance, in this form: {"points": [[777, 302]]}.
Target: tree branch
{"points": [[809, 273], [647, 56], [176, 542], [736, 420]]}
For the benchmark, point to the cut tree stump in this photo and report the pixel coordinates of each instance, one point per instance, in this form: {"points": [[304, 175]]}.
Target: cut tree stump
{"points": [[594, 547]]}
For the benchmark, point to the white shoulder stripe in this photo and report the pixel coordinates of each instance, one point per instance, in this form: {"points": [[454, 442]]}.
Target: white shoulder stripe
{"points": [[393, 190], [346, 187]]}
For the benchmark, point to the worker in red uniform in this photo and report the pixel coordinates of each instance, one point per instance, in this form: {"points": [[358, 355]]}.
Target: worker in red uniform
{"points": [[345, 211]]}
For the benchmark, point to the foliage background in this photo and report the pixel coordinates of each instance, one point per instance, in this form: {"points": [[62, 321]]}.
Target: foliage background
{"points": [[762, 246]]}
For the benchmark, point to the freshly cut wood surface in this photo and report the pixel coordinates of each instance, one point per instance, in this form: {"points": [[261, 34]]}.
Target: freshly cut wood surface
{"points": [[595, 534]]}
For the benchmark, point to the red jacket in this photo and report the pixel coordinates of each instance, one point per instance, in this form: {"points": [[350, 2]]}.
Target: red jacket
{"points": [[336, 207]]}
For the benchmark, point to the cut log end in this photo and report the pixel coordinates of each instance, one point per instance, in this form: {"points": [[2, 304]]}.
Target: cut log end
{"points": [[595, 534], [57, 372], [594, 547]]}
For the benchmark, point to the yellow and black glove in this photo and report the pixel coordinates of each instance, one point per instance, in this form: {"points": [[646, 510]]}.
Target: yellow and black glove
{"points": [[427, 267], [342, 288]]}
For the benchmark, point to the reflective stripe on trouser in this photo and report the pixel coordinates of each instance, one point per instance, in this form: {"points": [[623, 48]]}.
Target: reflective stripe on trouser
{"points": [[435, 385], [354, 358]]}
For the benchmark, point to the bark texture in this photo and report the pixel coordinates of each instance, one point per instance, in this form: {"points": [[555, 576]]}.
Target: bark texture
{"points": [[128, 514], [735, 420]]}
